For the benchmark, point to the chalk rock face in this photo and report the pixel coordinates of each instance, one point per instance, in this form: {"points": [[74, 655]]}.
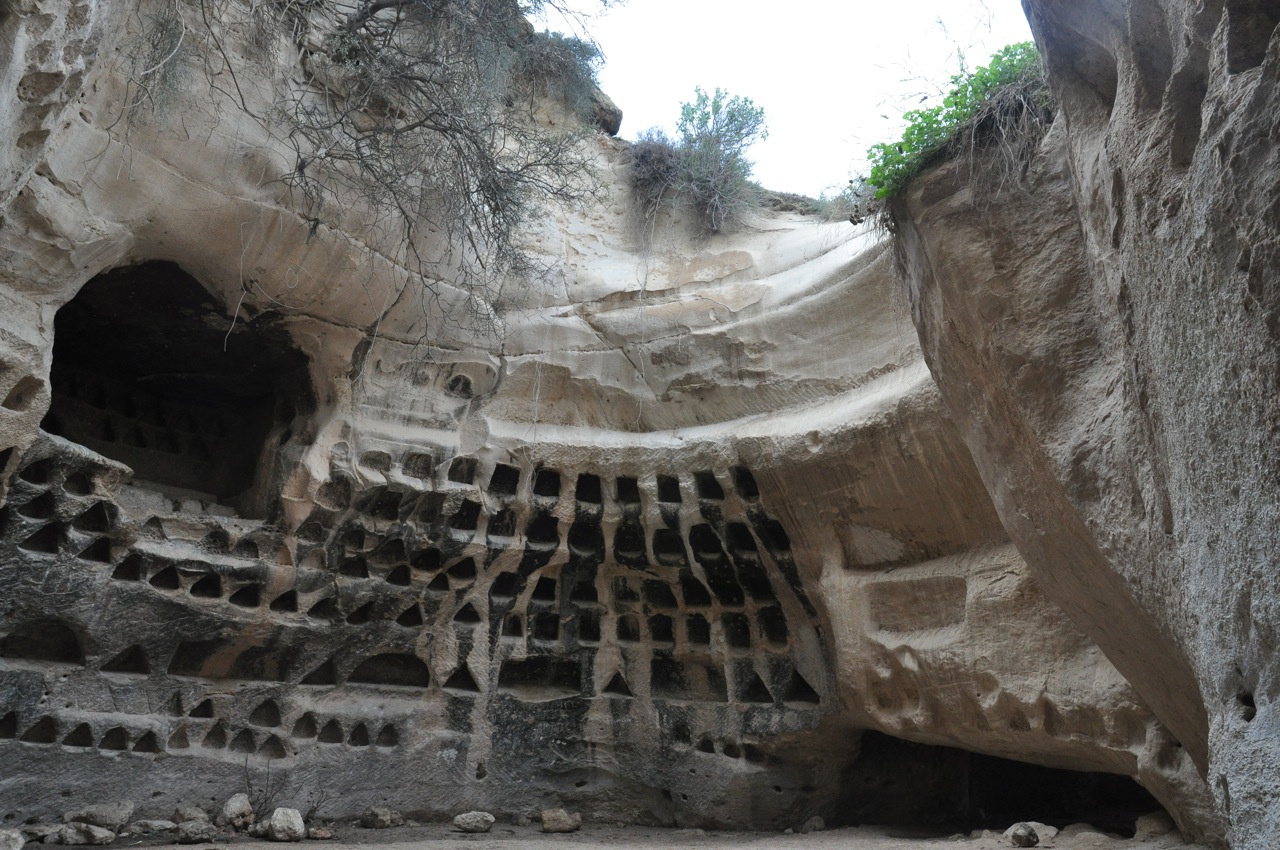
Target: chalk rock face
{"points": [[196, 832], [672, 528], [1106, 343]]}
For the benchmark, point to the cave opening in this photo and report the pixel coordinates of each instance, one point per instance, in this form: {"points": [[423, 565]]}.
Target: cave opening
{"points": [[149, 370], [898, 783]]}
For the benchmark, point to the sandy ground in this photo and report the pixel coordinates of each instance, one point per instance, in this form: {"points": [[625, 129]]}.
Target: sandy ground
{"points": [[590, 837]]}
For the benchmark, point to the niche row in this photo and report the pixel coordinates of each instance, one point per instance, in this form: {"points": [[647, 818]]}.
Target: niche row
{"points": [[740, 629], [215, 734], [589, 488], [49, 511], [46, 729], [504, 484]]}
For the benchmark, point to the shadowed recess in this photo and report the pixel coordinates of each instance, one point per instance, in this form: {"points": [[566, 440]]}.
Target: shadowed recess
{"points": [[47, 641], [897, 782], [540, 677], [396, 669], [149, 369]]}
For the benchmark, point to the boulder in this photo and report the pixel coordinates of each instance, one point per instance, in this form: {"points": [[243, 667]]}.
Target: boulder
{"points": [[151, 827], [286, 825], [196, 831], [474, 822], [237, 812], [11, 839], [558, 820], [320, 833], [1022, 835], [80, 833], [38, 831], [605, 114], [1046, 832], [112, 816]]}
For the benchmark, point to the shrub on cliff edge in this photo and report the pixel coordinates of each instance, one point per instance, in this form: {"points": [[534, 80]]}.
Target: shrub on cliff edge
{"points": [[1005, 102], [707, 166], [715, 132]]}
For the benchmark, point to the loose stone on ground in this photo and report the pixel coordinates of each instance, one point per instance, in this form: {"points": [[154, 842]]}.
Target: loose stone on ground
{"points": [[80, 833], [196, 831], [474, 822], [558, 820], [112, 816], [286, 825], [237, 812], [1022, 835]]}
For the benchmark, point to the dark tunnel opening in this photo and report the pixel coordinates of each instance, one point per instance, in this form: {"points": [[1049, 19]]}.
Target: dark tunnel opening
{"points": [[903, 784], [149, 370]]}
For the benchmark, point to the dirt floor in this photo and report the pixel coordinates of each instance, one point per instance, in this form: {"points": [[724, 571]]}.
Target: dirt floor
{"points": [[591, 837]]}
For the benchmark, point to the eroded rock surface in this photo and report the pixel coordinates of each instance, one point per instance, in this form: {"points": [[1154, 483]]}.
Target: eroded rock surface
{"points": [[656, 540], [1104, 337]]}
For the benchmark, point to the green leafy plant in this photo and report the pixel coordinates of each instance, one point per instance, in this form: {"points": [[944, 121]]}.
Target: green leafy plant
{"points": [[981, 105]]}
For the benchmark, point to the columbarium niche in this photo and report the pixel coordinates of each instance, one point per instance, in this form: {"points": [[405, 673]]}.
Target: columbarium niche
{"points": [[149, 369]]}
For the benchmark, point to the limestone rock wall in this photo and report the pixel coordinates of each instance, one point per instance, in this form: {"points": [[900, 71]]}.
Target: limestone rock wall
{"points": [[657, 539], [1104, 338]]}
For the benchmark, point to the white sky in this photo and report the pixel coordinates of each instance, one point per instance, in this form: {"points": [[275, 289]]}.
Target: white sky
{"points": [[833, 76]]}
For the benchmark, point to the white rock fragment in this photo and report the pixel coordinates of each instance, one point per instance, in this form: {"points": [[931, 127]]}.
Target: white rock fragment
{"points": [[237, 812], [286, 825], [558, 820], [80, 833], [1022, 835], [151, 827], [196, 831], [474, 822], [112, 816], [38, 831]]}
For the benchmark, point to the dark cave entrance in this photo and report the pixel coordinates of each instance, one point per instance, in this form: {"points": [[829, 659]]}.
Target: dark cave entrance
{"points": [[898, 783], [149, 370]]}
